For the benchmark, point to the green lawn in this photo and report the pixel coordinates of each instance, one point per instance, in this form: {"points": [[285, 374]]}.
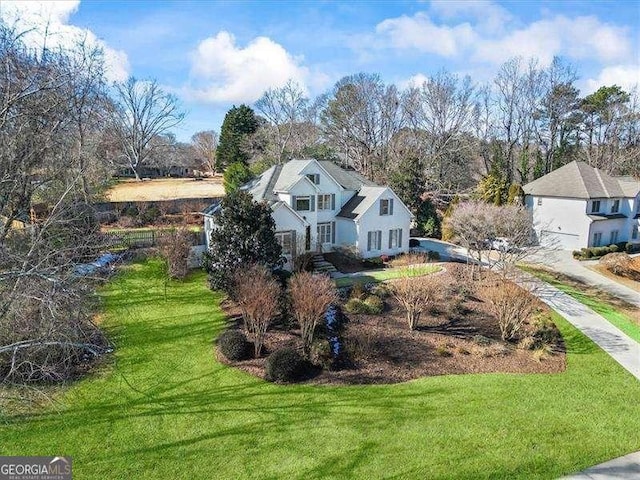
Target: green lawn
{"points": [[164, 408], [591, 300], [387, 274]]}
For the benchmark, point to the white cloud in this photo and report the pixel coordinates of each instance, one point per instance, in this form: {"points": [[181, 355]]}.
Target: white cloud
{"points": [[625, 76], [413, 81], [421, 33], [576, 38], [487, 14], [224, 72], [51, 19], [491, 35]]}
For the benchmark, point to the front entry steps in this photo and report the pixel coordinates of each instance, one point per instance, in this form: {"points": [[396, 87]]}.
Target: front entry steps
{"points": [[320, 265]]}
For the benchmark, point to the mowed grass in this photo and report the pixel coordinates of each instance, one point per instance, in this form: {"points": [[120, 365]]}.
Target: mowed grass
{"points": [[592, 300], [388, 274], [164, 408]]}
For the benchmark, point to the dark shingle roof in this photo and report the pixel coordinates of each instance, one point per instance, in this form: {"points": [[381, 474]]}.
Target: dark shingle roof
{"points": [[579, 180]]}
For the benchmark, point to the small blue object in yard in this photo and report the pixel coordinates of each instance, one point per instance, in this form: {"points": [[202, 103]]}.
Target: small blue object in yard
{"points": [[333, 317], [100, 265]]}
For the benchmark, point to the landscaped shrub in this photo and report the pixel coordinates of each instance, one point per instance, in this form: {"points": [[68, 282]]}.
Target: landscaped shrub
{"points": [[433, 256], [381, 290], [303, 262], [355, 306], [409, 259], [320, 354], [357, 291], [613, 248], [233, 345], [374, 305], [284, 365], [512, 307]]}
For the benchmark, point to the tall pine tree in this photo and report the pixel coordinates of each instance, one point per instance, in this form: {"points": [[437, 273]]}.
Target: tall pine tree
{"points": [[238, 124]]}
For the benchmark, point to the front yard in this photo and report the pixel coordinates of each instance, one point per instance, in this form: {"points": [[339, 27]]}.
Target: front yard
{"points": [[165, 408]]}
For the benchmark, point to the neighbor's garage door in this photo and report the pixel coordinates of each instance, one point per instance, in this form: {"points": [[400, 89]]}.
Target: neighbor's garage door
{"points": [[563, 241]]}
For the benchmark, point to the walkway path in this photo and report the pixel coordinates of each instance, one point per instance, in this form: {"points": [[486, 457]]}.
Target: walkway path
{"points": [[622, 348], [562, 261], [627, 467]]}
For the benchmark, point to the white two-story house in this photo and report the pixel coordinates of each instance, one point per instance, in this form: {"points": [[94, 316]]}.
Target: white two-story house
{"points": [[318, 206], [580, 206]]}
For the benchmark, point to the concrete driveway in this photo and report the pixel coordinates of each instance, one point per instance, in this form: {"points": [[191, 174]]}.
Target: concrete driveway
{"points": [[563, 262], [447, 251]]}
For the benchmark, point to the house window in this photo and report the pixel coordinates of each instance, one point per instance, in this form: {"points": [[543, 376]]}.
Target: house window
{"points": [[314, 177], [374, 240], [597, 239], [325, 201], [539, 201], [303, 203], [386, 206], [634, 232], [613, 237], [325, 233], [616, 206], [395, 238], [285, 239], [595, 206]]}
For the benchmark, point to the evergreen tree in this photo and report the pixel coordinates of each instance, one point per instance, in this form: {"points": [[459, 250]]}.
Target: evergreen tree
{"points": [[238, 124], [408, 182], [244, 234], [236, 175], [516, 195], [427, 219], [447, 231]]}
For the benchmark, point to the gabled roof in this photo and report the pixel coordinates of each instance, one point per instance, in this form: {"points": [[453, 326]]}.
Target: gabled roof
{"points": [[361, 202], [579, 180], [283, 177]]}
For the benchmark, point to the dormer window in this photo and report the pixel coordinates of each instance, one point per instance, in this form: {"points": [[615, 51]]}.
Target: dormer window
{"points": [[314, 177], [595, 206], [302, 204], [616, 206], [386, 206]]}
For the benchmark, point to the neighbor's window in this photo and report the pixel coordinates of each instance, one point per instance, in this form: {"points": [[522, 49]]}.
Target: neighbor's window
{"points": [[285, 239], [613, 237], [395, 238], [597, 239], [303, 203], [314, 177], [539, 201], [324, 201], [324, 232], [385, 207], [595, 206], [374, 240], [634, 232], [616, 206]]}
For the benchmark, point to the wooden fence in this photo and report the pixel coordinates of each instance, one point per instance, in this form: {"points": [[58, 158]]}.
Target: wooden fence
{"points": [[145, 238]]}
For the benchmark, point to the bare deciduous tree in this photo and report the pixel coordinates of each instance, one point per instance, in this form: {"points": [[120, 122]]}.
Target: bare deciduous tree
{"points": [[142, 114], [311, 295], [512, 306], [175, 247], [205, 144], [416, 294], [257, 294]]}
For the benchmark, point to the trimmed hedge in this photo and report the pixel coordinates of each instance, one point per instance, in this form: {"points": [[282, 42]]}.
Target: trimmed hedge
{"points": [[233, 345], [597, 252], [284, 365]]}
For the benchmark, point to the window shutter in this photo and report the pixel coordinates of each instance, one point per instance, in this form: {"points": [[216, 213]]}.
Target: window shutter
{"points": [[400, 238], [293, 202], [390, 237], [312, 203], [391, 206], [369, 240], [380, 203], [379, 239], [333, 232], [294, 250], [333, 201]]}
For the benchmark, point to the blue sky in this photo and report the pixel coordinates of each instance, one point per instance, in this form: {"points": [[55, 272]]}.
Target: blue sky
{"points": [[215, 54]]}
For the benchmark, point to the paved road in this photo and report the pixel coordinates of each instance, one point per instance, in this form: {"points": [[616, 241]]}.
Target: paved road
{"points": [[563, 262], [627, 467]]}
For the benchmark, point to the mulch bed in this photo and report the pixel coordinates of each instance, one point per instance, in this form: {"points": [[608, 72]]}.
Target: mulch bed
{"points": [[384, 350]]}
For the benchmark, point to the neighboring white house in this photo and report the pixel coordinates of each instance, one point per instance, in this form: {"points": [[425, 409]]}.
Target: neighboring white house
{"points": [[580, 206], [318, 206]]}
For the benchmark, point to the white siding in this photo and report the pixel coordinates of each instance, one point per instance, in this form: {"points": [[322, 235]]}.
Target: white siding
{"points": [[560, 222]]}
